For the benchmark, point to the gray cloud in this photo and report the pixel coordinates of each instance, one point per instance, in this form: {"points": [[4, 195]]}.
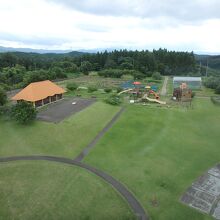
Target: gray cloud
{"points": [[189, 10]]}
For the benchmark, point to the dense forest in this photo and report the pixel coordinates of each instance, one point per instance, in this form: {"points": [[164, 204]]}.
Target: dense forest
{"points": [[18, 69]]}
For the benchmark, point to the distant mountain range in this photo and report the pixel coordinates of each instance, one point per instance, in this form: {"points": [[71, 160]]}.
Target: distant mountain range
{"points": [[213, 61], [29, 50], [43, 51]]}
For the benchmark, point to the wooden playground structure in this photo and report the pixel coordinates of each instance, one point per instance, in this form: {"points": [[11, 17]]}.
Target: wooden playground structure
{"points": [[183, 93]]}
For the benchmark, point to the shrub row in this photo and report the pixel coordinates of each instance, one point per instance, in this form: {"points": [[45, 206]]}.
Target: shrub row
{"points": [[215, 100]]}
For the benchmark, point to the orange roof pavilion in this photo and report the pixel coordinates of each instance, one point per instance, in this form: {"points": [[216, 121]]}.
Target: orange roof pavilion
{"points": [[38, 91]]}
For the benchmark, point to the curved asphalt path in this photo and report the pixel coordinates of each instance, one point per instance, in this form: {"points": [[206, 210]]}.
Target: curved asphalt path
{"points": [[132, 201], [92, 144]]}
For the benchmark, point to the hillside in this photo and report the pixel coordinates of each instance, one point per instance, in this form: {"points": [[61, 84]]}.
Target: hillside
{"points": [[30, 50], [213, 61]]}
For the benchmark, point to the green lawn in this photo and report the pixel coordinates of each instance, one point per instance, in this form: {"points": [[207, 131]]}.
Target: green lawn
{"points": [[158, 153], [205, 92], [42, 190], [67, 138]]}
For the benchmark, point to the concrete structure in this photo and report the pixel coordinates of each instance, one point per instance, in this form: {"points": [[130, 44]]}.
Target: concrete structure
{"points": [[40, 93]]}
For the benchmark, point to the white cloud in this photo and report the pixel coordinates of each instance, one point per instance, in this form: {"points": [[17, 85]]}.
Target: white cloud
{"points": [[49, 25]]}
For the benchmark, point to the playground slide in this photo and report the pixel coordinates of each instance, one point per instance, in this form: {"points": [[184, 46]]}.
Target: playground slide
{"points": [[155, 100], [155, 94], [125, 91]]}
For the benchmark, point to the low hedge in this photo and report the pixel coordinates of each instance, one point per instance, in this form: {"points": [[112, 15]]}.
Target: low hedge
{"points": [[113, 100], [215, 100], [92, 89]]}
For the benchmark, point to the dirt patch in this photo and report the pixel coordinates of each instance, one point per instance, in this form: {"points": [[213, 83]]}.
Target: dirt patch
{"points": [[204, 194], [164, 88], [62, 109]]}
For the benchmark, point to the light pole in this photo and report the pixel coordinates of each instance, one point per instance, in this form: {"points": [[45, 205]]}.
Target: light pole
{"points": [[207, 68]]}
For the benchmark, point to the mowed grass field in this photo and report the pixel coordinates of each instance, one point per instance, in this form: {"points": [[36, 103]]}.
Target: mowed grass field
{"points": [[67, 138], [42, 190], [157, 153]]}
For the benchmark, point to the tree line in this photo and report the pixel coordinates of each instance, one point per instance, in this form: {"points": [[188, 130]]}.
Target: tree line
{"points": [[19, 69]]}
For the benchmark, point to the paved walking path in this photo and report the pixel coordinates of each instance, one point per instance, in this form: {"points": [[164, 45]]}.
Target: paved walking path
{"points": [[128, 196], [87, 149], [164, 88], [132, 201]]}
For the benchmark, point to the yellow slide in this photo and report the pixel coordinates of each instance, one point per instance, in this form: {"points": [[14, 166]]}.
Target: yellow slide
{"points": [[128, 90], [154, 100]]}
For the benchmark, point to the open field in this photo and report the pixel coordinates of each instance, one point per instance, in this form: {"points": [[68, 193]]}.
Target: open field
{"points": [[67, 138], [158, 153], [42, 190], [100, 94], [204, 92], [99, 82]]}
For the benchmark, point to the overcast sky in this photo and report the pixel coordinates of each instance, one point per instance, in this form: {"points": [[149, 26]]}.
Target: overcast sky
{"points": [[90, 24]]}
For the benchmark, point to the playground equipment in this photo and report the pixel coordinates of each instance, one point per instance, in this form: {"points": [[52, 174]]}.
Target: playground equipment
{"points": [[145, 97], [127, 90], [155, 94], [154, 88], [183, 93], [143, 93], [136, 83]]}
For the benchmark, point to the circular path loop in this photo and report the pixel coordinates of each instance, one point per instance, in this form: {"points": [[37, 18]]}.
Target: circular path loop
{"points": [[129, 197]]}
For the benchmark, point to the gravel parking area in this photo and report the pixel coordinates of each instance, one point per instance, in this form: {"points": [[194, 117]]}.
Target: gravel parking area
{"points": [[56, 112], [204, 194]]}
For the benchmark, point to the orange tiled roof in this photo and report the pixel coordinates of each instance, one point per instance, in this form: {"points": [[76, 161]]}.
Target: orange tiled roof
{"points": [[38, 91]]}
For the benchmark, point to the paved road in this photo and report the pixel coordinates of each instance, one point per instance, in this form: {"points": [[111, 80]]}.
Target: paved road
{"points": [[164, 88], [129, 197], [87, 149]]}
